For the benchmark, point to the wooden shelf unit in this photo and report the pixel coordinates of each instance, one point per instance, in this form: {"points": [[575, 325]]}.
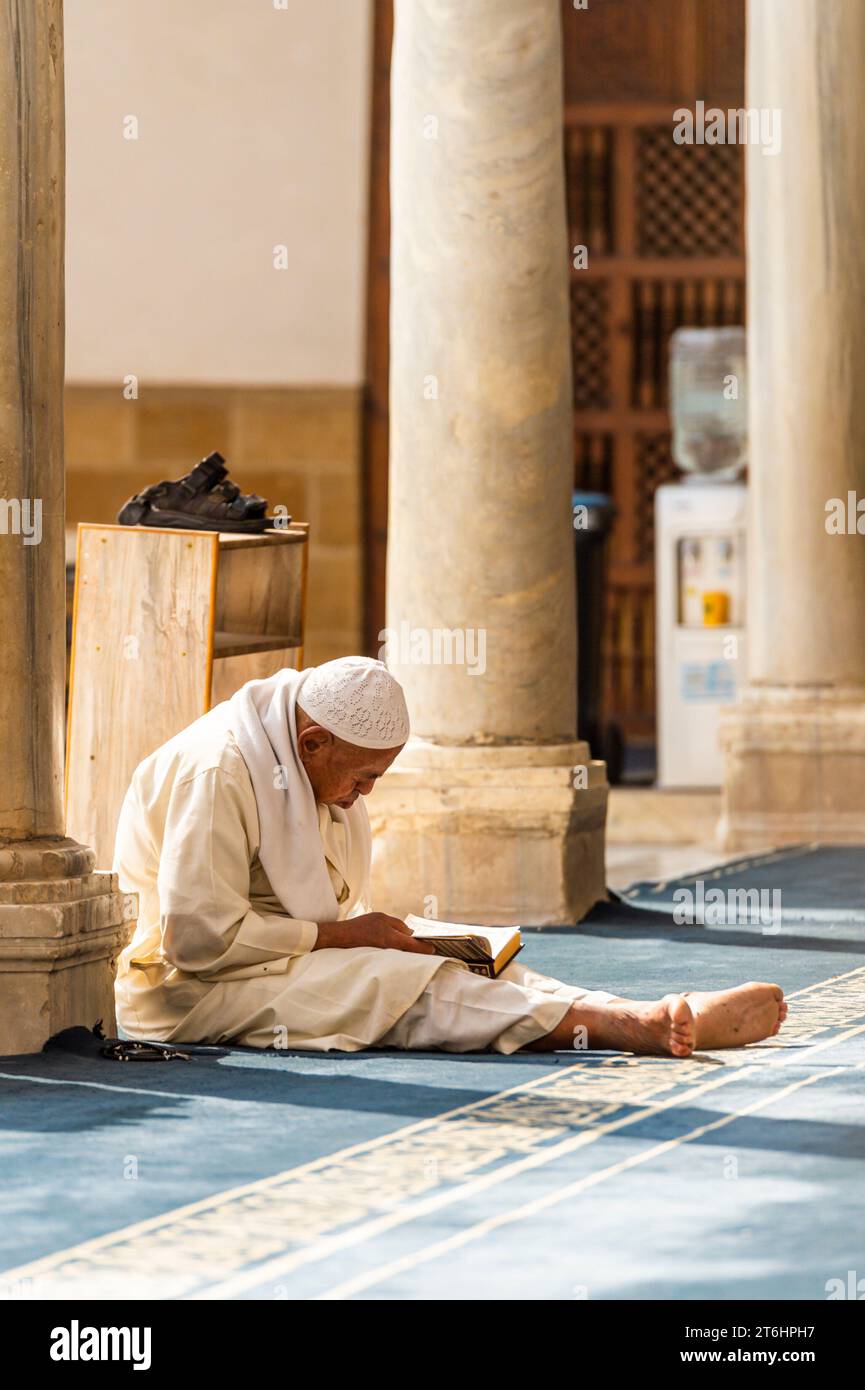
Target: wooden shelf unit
{"points": [[166, 624]]}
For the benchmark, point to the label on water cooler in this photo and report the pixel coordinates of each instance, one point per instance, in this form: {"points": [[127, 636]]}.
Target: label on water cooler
{"points": [[708, 680]]}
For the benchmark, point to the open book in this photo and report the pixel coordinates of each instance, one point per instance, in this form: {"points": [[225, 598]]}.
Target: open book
{"points": [[485, 950]]}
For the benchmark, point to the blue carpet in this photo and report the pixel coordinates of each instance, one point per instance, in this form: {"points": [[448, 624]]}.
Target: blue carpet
{"points": [[242, 1174], [810, 883]]}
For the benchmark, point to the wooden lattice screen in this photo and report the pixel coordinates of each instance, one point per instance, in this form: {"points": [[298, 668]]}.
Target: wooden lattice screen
{"points": [[663, 226]]}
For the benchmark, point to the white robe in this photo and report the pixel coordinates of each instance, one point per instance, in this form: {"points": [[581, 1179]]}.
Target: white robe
{"points": [[214, 955]]}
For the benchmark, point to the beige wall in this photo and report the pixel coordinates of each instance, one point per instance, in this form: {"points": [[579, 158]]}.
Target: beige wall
{"points": [[253, 132]]}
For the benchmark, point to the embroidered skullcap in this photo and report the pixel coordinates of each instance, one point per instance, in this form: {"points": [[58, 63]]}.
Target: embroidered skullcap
{"points": [[357, 699]]}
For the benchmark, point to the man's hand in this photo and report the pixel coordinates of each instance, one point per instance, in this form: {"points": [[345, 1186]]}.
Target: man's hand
{"points": [[370, 929]]}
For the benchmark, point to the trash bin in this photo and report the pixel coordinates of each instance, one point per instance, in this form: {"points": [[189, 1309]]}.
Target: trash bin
{"points": [[593, 514]]}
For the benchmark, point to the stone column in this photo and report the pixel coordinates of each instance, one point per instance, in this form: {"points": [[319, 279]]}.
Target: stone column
{"points": [[494, 813], [60, 924], [795, 747]]}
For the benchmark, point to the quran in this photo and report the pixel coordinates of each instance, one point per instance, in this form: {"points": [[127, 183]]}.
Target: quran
{"points": [[485, 950]]}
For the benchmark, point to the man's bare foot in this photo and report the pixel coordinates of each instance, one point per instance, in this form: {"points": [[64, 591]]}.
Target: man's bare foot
{"points": [[735, 1017], [661, 1027], [673, 1026]]}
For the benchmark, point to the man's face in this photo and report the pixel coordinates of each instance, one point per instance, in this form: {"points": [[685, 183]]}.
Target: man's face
{"points": [[339, 772]]}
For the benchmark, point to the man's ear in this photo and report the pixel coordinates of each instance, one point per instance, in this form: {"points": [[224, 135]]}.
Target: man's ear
{"points": [[313, 739]]}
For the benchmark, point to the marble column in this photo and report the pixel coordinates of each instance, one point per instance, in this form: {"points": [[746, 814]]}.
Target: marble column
{"points": [[60, 923], [494, 812], [795, 746]]}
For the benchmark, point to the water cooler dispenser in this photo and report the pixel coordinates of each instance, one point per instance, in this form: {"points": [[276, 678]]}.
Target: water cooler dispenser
{"points": [[700, 537]]}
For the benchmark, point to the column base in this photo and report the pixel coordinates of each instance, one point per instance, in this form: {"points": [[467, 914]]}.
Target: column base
{"points": [[61, 928], [794, 768], [490, 835]]}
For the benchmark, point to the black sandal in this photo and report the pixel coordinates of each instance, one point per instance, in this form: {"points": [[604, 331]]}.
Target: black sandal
{"points": [[130, 1050], [202, 500]]}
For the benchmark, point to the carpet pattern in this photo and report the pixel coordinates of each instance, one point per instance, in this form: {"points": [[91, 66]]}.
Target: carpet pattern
{"points": [[589, 1175]]}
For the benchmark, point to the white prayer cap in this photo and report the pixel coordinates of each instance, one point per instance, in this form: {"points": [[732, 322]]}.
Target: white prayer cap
{"points": [[357, 699]]}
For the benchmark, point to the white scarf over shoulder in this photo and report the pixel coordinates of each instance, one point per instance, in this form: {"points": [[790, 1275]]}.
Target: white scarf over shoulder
{"points": [[356, 699]]}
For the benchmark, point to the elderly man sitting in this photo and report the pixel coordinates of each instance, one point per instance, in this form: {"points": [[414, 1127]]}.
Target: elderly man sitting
{"points": [[248, 843]]}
